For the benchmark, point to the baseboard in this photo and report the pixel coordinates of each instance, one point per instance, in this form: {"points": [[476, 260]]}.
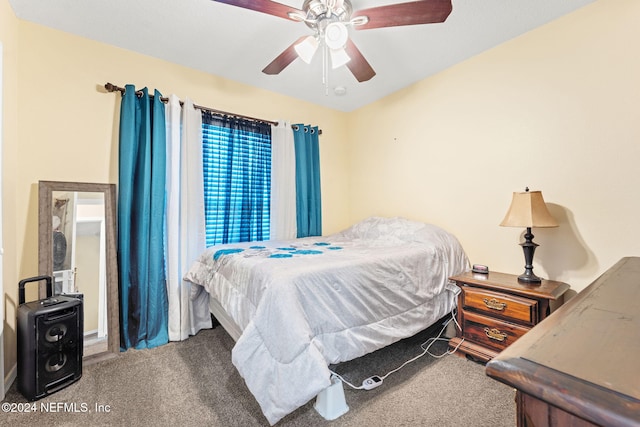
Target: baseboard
{"points": [[10, 377]]}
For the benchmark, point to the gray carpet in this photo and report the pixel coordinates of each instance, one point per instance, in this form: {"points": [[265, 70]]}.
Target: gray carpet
{"points": [[193, 383]]}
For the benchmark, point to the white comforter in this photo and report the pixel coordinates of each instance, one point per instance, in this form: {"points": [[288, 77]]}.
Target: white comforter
{"points": [[307, 303]]}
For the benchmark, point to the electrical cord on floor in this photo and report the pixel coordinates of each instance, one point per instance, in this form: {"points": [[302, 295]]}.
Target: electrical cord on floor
{"points": [[439, 338], [376, 380], [333, 374]]}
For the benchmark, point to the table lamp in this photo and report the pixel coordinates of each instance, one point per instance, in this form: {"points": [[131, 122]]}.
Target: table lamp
{"points": [[528, 210]]}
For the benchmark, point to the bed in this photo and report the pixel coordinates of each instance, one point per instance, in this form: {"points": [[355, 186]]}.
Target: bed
{"points": [[295, 307]]}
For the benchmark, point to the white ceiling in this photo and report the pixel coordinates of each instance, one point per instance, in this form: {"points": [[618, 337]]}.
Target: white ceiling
{"points": [[237, 44]]}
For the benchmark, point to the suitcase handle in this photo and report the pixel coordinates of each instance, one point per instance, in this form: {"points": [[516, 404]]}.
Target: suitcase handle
{"points": [[23, 282]]}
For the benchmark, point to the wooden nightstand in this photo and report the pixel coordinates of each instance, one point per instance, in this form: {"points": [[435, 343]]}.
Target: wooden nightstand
{"points": [[494, 310]]}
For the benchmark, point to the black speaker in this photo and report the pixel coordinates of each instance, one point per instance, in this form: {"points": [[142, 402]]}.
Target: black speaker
{"points": [[50, 340]]}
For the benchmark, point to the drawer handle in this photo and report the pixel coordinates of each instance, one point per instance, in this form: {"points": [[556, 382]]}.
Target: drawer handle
{"points": [[495, 334], [494, 304]]}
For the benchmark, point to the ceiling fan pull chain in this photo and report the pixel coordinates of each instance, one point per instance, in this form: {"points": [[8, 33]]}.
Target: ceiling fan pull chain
{"points": [[325, 69]]}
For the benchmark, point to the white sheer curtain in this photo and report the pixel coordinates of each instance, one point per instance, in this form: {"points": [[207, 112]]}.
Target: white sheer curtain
{"points": [[188, 304], [283, 183]]}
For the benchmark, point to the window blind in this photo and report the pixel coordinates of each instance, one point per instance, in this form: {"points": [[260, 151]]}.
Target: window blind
{"points": [[237, 179]]}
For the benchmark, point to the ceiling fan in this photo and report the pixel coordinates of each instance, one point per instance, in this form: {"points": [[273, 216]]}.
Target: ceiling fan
{"points": [[330, 21]]}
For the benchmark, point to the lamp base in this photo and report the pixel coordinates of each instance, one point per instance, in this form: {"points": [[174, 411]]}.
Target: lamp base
{"points": [[529, 249], [529, 277]]}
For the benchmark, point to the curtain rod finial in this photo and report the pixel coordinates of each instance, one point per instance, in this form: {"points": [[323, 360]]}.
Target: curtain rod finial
{"points": [[110, 87]]}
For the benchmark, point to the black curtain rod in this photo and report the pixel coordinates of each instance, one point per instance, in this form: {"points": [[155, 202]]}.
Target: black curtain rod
{"points": [[113, 88]]}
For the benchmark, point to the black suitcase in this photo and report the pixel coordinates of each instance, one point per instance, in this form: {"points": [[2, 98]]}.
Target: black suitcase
{"points": [[50, 341]]}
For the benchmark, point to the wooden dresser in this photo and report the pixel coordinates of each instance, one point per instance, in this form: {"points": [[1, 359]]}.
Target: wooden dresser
{"points": [[496, 309], [581, 365]]}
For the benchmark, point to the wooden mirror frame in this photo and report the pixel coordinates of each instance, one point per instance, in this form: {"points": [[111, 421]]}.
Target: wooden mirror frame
{"points": [[45, 252]]}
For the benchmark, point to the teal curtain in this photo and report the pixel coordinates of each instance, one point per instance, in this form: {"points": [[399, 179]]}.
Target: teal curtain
{"points": [[141, 203], [308, 197]]}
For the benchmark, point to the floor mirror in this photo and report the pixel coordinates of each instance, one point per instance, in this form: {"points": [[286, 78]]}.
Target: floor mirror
{"points": [[77, 248]]}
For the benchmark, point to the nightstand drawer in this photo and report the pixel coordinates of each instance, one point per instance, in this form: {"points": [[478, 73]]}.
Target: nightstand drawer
{"points": [[509, 307], [491, 333]]}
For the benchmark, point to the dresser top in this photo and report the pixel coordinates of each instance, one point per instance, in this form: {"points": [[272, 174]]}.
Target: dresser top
{"points": [[584, 357], [598, 340]]}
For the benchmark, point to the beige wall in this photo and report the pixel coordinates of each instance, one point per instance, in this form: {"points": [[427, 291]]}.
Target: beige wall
{"points": [[556, 109], [9, 39], [60, 87]]}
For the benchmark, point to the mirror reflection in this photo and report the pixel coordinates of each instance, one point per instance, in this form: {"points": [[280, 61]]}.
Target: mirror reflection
{"points": [[77, 248], [78, 253]]}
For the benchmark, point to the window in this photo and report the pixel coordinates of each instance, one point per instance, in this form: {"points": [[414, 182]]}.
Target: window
{"points": [[237, 179]]}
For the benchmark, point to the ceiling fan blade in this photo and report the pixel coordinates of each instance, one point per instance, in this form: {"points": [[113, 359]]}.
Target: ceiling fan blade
{"points": [[358, 65], [284, 59], [411, 13], [265, 6]]}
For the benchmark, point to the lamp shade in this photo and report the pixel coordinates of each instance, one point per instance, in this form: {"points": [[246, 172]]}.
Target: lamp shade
{"points": [[528, 210], [307, 48], [336, 35], [339, 57]]}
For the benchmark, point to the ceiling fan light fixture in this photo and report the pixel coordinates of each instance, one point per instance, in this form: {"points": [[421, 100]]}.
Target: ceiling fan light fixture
{"points": [[339, 57], [336, 35], [307, 48]]}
